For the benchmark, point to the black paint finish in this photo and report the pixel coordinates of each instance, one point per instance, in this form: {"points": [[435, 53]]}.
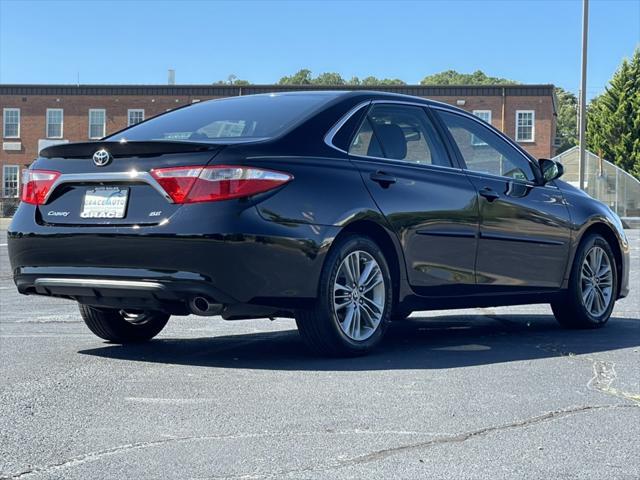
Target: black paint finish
{"points": [[453, 238]]}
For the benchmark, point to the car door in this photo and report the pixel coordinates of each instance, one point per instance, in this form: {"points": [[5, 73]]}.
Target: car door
{"points": [[524, 225], [430, 204]]}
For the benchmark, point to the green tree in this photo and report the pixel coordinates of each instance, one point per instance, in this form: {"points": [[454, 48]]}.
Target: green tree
{"points": [[233, 80], [566, 122], [451, 77], [329, 78], [373, 81], [304, 77], [301, 77], [613, 118]]}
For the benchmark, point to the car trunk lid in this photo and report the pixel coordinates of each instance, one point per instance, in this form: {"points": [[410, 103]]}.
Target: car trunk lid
{"points": [[109, 183]]}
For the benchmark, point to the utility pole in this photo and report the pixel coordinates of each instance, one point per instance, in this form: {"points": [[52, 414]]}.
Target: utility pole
{"points": [[583, 94]]}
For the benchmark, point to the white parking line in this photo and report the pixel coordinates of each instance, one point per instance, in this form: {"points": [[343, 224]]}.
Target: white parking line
{"points": [[3, 244]]}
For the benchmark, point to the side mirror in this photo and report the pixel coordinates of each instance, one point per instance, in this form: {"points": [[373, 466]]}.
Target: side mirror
{"points": [[550, 169]]}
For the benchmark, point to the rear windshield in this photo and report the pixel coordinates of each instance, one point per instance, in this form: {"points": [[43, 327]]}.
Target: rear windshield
{"points": [[240, 118]]}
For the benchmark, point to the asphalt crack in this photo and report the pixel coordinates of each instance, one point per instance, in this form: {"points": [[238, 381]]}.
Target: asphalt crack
{"points": [[125, 448], [360, 459], [463, 437], [441, 440]]}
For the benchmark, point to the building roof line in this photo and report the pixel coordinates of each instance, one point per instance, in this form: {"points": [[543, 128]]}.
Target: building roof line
{"points": [[234, 90]]}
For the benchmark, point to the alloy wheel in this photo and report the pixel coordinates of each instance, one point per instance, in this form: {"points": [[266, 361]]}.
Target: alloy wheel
{"points": [[596, 281], [359, 295]]}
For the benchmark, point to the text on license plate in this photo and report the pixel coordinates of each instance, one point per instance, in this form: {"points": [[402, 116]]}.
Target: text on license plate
{"points": [[105, 202]]}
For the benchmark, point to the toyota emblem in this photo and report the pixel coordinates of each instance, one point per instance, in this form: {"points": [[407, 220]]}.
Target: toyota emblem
{"points": [[101, 158]]}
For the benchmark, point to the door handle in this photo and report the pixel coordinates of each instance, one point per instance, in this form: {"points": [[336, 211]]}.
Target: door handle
{"points": [[384, 179], [489, 194]]}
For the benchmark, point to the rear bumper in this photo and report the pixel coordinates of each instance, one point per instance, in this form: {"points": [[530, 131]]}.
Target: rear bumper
{"points": [[242, 260], [120, 288]]}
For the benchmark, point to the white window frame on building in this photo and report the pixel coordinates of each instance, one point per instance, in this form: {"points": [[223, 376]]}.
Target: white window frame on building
{"points": [[135, 111], [518, 136], [5, 111], [483, 115], [93, 111], [14, 190], [50, 112]]}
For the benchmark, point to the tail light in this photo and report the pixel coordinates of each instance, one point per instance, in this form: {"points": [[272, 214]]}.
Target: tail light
{"points": [[219, 182], [36, 185]]}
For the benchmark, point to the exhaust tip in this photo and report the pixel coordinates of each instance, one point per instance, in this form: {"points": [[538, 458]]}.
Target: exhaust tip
{"points": [[203, 307]]}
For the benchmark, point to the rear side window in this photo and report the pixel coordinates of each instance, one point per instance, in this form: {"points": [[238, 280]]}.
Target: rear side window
{"points": [[250, 117], [365, 144], [400, 132], [345, 133]]}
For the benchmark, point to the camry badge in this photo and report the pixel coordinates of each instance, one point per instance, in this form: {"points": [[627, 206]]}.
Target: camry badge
{"points": [[101, 158]]}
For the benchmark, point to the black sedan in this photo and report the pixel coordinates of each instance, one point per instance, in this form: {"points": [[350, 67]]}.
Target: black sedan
{"points": [[344, 210]]}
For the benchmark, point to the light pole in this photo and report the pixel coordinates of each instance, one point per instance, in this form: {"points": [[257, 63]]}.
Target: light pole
{"points": [[583, 94]]}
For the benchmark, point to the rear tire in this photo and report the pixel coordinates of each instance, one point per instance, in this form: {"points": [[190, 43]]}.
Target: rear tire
{"points": [[348, 320], [118, 326], [593, 284]]}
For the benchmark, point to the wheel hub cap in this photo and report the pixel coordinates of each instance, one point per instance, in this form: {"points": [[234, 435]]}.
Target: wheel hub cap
{"points": [[359, 295], [596, 281]]}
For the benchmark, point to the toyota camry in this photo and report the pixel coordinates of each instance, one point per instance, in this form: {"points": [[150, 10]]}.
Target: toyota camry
{"points": [[343, 210]]}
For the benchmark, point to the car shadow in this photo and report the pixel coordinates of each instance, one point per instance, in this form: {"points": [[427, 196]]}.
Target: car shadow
{"points": [[419, 343]]}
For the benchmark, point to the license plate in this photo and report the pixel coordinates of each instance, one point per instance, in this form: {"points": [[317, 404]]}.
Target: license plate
{"points": [[105, 202]]}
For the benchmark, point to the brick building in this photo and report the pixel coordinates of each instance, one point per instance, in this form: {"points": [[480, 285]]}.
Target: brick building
{"points": [[36, 116]]}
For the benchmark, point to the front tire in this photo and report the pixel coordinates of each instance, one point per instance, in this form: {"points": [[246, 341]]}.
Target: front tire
{"points": [[593, 284], [354, 302], [119, 326]]}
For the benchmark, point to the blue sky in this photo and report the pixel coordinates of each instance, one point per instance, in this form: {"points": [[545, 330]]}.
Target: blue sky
{"points": [[535, 41]]}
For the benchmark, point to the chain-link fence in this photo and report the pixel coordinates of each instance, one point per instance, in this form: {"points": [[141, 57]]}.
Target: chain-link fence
{"points": [[605, 182]]}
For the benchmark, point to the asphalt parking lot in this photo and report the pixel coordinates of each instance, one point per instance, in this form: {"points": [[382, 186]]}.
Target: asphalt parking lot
{"points": [[483, 393]]}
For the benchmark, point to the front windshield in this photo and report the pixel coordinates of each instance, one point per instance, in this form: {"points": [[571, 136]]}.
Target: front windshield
{"points": [[250, 117]]}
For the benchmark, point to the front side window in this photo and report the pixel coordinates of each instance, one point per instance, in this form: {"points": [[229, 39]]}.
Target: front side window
{"points": [[525, 126], [97, 123], [134, 116], [484, 151], [237, 118], [11, 122], [10, 180], [399, 132], [54, 122]]}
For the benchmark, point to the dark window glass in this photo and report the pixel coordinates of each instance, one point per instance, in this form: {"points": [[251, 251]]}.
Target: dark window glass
{"points": [[484, 151], [405, 133], [365, 144], [250, 117], [342, 137]]}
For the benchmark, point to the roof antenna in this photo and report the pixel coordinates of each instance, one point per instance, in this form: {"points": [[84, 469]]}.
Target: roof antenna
{"points": [[78, 79]]}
